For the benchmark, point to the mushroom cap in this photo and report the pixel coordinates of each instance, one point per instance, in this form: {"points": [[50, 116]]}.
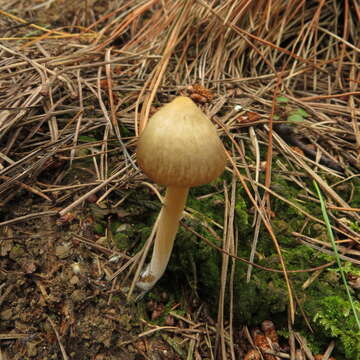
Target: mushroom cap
{"points": [[180, 146]]}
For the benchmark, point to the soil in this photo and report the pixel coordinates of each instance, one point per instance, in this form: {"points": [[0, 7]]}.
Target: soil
{"points": [[55, 294]]}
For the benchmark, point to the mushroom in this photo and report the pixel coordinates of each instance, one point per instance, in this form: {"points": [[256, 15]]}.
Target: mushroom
{"points": [[178, 148]]}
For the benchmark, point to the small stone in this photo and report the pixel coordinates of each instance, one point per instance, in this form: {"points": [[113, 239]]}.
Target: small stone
{"points": [[22, 327], [78, 296], [76, 268], [74, 280], [29, 267], [5, 248], [107, 342], [6, 314], [62, 251], [93, 198], [130, 348], [169, 320]]}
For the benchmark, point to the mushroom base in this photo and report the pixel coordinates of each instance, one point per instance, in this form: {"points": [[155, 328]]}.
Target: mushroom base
{"points": [[171, 213]]}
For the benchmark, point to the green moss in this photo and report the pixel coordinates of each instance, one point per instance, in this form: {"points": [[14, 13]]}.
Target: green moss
{"points": [[355, 226], [198, 266], [355, 201], [99, 228], [265, 296], [122, 240], [336, 318], [256, 300], [242, 213]]}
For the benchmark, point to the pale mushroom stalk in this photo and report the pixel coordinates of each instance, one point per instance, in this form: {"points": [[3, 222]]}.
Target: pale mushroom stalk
{"points": [[171, 213], [178, 148]]}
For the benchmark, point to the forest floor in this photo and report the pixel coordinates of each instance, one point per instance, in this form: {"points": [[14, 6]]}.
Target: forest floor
{"points": [[266, 261]]}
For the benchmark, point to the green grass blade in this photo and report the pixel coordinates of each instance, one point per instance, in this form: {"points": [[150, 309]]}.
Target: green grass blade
{"points": [[331, 236]]}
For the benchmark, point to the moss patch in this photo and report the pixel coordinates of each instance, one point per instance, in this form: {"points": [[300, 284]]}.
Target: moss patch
{"points": [[197, 265]]}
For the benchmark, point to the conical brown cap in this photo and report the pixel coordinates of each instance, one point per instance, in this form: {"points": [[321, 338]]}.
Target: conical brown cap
{"points": [[180, 147]]}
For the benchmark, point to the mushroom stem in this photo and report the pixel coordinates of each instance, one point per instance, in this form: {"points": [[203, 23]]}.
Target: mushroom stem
{"points": [[174, 203]]}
